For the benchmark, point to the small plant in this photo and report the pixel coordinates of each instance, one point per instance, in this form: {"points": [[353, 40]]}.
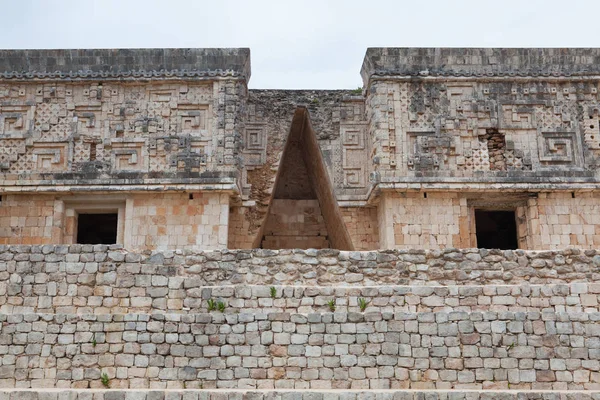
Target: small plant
{"points": [[273, 292], [362, 303], [331, 305], [315, 101], [358, 91], [105, 380], [221, 306], [212, 305], [94, 342]]}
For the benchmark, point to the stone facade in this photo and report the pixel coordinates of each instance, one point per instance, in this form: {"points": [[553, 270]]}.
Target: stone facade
{"points": [[433, 136], [168, 234]]}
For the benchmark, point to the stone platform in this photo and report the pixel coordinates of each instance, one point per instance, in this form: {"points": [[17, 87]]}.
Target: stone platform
{"points": [[97, 322]]}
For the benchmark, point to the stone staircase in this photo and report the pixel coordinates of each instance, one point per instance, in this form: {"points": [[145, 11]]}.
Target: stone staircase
{"points": [[99, 323]]}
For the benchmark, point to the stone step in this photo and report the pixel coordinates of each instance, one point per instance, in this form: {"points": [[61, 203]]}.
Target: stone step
{"points": [[477, 350], [192, 394], [151, 294]]}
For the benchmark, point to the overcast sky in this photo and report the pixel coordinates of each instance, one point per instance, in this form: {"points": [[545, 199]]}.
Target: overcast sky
{"points": [[301, 44]]}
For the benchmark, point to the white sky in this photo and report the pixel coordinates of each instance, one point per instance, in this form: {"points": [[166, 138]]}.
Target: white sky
{"points": [[302, 44]]}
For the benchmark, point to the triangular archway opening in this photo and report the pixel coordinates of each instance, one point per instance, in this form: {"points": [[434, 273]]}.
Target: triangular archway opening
{"points": [[303, 212]]}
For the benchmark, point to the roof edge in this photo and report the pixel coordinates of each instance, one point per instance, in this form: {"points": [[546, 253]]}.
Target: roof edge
{"points": [[119, 63], [473, 62]]}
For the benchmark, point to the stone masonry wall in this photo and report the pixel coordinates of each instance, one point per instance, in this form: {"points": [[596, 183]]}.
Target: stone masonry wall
{"points": [[558, 220], [167, 221], [96, 264], [283, 350], [362, 226], [445, 219], [292, 319], [295, 224], [157, 221], [411, 220], [283, 394], [27, 220], [153, 295]]}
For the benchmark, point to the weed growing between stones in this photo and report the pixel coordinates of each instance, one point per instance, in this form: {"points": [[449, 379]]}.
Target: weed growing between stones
{"points": [[362, 303], [221, 306], [273, 292], [105, 380], [212, 305], [331, 305]]}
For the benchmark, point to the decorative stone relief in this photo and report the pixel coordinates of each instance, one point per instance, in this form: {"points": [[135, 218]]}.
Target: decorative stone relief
{"points": [[353, 154], [16, 121], [559, 148], [139, 125], [255, 144], [128, 155], [428, 150], [50, 157], [10, 150]]}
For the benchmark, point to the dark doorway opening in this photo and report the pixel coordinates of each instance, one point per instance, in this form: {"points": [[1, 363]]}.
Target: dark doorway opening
{"points": [[496, 230], [97, 228]]}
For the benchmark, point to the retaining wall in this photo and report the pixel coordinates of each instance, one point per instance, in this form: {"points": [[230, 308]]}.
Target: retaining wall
{"points": [[85, 264], [153, 295], [453, 319], [319, 351]]}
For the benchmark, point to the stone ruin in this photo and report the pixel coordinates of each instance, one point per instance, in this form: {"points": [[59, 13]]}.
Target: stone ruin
{"points": [[168, 234]]}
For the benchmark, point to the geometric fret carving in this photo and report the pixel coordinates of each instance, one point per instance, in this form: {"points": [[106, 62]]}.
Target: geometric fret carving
{"points": [[128, 156], [428, 150], [559, 148], [353, 155], [192, 119], [255, 144], [50, 157], [87, 120], [16, 120]]}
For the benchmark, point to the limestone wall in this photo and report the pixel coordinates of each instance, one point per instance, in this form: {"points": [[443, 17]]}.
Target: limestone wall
{"points": [[558, 220], [433, 220], [362, 226], [283, 350], [292, 319], [167, 221], [282, 394], [412, 221], [159, 294], [94, 280], [29, 220], [295, 224], [96, 263], [157, 221]]}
